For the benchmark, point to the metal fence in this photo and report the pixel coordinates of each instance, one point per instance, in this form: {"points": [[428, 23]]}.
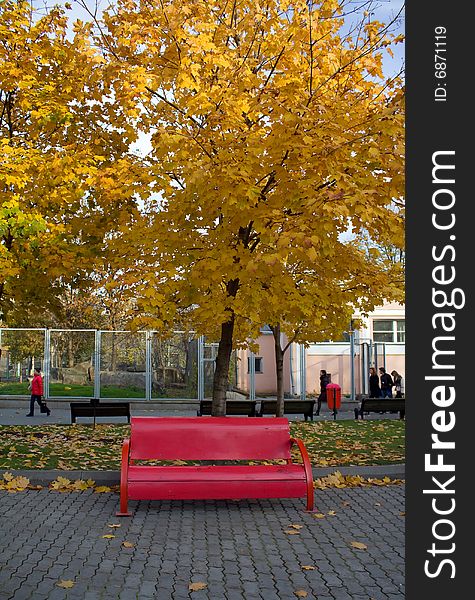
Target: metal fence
{"points": [[90, 363], [104, 364]]}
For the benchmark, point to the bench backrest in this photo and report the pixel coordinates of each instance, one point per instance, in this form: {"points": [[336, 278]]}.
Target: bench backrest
{"points": [[209, 438]]}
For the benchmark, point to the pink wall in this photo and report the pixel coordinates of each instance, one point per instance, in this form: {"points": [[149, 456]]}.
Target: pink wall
{"points": [[336, 364], [265, 381]]}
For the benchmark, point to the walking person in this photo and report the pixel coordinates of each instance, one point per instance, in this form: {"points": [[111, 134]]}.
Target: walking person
{"points": [[324, 381], [37, 394], [374, 389], [386, 383], [398, 384]]}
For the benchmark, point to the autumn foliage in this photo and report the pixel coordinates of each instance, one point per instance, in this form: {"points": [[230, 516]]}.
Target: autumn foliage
{"points": [[276, 143]]}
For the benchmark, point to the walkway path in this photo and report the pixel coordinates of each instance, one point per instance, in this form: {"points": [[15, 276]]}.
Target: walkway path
{"points": [[240, 550]]}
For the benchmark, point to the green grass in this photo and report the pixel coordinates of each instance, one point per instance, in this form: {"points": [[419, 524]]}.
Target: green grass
{"points": [[87, 391], [80, 446]]}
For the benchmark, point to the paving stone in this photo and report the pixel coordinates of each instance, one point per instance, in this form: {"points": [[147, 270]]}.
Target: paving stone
{"points": [[238, 548]]}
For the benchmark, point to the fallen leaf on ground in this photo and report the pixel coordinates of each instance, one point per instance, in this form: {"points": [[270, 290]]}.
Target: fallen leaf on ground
{"points": [[301, 593], [199, 585], [296, 526], [319, 515], [308, 567], [291, 531], [65, 583], [359, 545], [127, 544], [113, 525], [332, 513], [102, 488], [108, 536]]}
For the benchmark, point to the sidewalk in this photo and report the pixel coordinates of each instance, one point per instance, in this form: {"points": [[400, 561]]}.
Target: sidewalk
{"points": [[13, 412], [237, 550]]}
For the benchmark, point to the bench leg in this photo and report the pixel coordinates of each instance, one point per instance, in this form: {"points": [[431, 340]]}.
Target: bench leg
{"points": [[124, 498], [310, 496]]}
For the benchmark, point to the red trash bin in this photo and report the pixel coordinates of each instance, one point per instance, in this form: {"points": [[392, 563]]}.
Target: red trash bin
{"points": [[333, 396]]}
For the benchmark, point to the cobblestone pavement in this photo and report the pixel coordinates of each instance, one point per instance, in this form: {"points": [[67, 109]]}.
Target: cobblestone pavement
{"points": [[239, 549]]}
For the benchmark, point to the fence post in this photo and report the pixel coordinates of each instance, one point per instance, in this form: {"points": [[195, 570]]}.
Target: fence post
{"points": [[303, 372], [148, 365], [97, 363], [46, 363], [252, 376], [201, 369], [352, 363]]}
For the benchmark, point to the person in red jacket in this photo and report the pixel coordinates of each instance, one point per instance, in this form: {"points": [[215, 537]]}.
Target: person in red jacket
{"points": [[37, 393]]}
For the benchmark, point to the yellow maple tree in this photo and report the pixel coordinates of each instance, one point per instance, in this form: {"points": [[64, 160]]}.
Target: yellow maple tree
{"points": [[273, 133], [65, 169]]}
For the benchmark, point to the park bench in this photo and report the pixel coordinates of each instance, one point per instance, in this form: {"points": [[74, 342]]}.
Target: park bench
{"points": [[214, 440], [233, 407], [291, 407], [96, 408], [381, 405]]}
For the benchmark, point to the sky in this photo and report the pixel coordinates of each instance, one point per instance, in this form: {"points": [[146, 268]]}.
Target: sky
{"points": [[382, 10]]}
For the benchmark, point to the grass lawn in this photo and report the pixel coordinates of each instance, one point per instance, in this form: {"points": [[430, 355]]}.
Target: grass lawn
{"points": [[87, 391], [76, 447]]}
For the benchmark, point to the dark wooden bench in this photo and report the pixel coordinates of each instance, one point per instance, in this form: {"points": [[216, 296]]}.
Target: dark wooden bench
{"points": [[233, 407], [291, 407], [97, 408], [369, 405], [216, 440]]}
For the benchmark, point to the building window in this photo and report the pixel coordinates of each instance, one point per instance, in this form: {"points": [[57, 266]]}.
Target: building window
{"points": [[258, 364], [389, 330]]}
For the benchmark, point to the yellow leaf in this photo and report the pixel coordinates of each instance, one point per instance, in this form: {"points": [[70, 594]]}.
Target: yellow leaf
{"points": [[359, 545], [308, 567], [195, 587], [65, 583], [108, 536], [319, 515], [112, 525], [127, 544], [301, 593], [296, 526], [291, 531], [101, 489]]}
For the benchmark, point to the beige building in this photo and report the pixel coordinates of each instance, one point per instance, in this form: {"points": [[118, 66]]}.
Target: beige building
{"points": [[380, 342]]}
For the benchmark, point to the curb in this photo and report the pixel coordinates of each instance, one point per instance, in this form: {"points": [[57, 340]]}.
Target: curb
{"points": [[38, 477]]}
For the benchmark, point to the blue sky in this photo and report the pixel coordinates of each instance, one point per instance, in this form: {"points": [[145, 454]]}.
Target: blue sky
{"points": [[382, 10]]}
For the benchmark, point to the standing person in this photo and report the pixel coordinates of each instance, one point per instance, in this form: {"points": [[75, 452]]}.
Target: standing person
{"points": [[386, 383], [324, 381], [37, 394], [374, 389], [398, 384]]}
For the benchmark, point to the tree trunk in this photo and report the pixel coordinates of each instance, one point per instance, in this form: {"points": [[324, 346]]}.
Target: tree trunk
{"points": [[221, 373], [70, 351], [279, 369]]}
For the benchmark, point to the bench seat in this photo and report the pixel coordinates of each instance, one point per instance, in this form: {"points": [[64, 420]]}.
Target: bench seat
{"points": [[381, 405], [214, 440], [96, 408], [291, 407], [216, 482]]}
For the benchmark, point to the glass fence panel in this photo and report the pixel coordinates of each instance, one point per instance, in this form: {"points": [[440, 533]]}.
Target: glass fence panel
{"points": [[210, 352], [122, 360], [72, 363], [20, 352], [175, 366]]}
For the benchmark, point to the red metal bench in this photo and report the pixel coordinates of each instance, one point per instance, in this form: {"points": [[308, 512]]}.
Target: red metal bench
{"points": [[212, 439]]}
